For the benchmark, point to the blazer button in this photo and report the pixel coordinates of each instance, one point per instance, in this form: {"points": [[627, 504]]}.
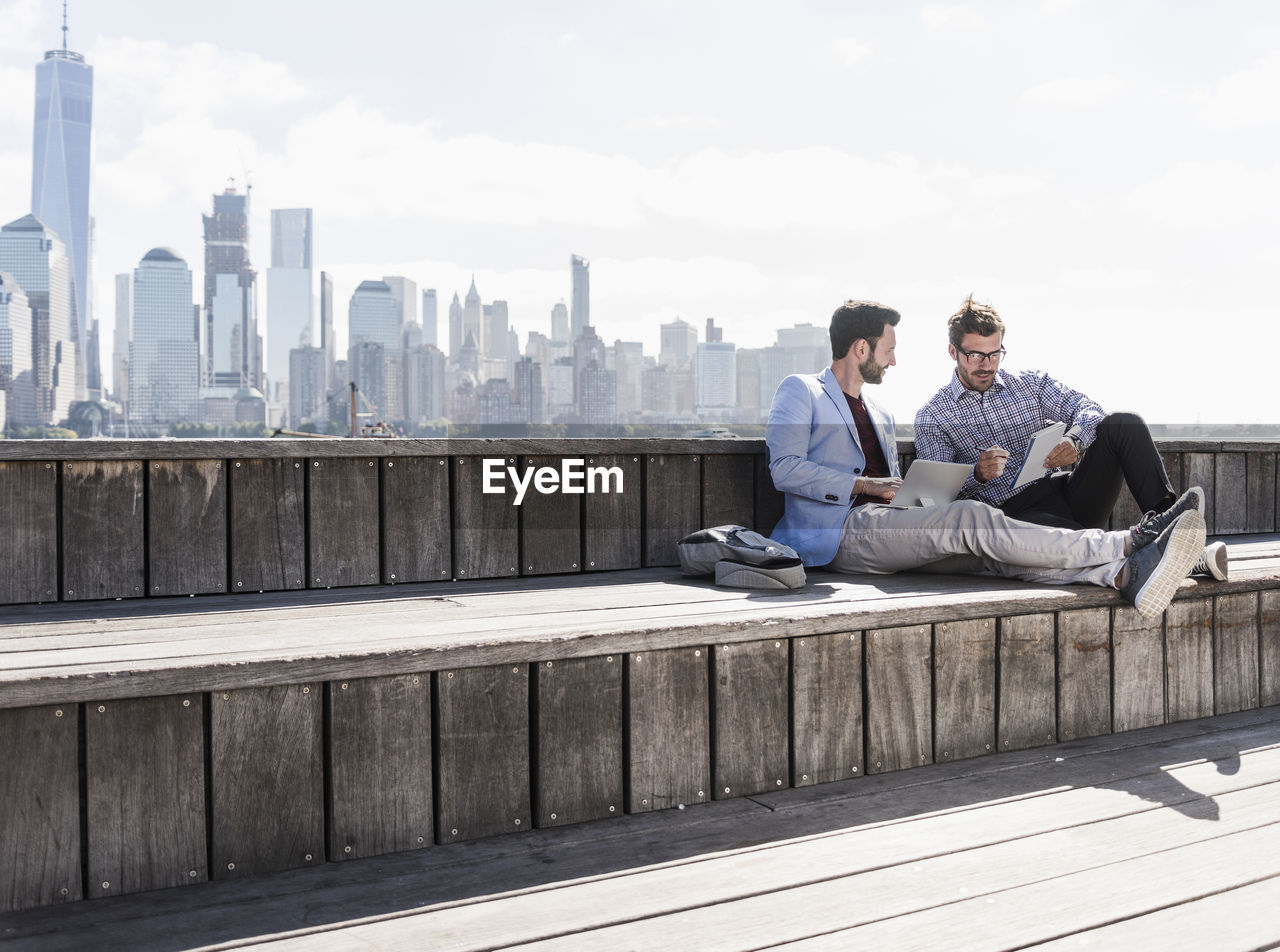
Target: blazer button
{"points": [[856, 471], [831, 498]]}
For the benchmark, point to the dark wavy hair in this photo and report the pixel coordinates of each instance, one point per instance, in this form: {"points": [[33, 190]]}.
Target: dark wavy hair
{"points": [[974, 318], [859, 320]]}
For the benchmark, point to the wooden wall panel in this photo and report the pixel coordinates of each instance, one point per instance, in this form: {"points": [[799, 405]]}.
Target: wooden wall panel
{"points": [[486, 532], [1084, 673], [29, 515], [672, 505], [611, 522], [482, 784], [268, 535], [899, 723], [1235, 653], [964, 655], [40, 817], [551, 522], [145, 785], [1269, 648], [1137, 646], [342, 507], [1175, 469], [1188, 641], [1229, 490], [1027, 694], [266, 780], [1199, 471], [579, 774], [751, 725], [826, 717], [1260, 491], [379, 765], [728, 490], [187, 527], [770, 503], [669, 727], [415, 520], [102, 530]]}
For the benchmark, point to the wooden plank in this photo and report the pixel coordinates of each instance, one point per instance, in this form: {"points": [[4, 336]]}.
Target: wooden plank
{"points": [[611, 529], [1269, 648], [669, 729], [728, 491], [578, 772], [485, 525], [551, 522], [1199, 471], [1137, 646], [1260, 491], [826, 716], [899, 722], [342, 514], [482, 780], [1084, 673], [770, 503], [1230, 503], [1235, 652], [750, 722], [266, 780], [964, 655], [1027, 716], [1188, 643], [415, 520], [1126, 512], [672, 505], [145, 794], [187, 527], [379, 765], [1175, 469], [40, 820], [29, 514], [268, 536], [102, 530]]}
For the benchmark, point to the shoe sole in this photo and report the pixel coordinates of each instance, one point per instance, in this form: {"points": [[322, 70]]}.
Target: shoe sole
{"points": [[1186, 544], [1216, 560]]}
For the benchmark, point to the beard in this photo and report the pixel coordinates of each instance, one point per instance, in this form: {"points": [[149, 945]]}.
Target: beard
{"points": [[871, 371]]}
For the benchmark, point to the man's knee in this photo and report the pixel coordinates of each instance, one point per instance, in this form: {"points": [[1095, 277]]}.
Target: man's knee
{"points": [[1122, 421]]}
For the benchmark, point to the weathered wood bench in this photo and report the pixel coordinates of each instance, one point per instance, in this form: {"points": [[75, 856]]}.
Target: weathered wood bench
{"points": [[560, 671]]}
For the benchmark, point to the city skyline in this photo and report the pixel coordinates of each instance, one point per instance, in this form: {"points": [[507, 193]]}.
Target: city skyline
{"points": [[1112, 170]]}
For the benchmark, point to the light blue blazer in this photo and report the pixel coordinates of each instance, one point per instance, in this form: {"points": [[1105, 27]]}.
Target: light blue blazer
{"points": [[815, 457]]}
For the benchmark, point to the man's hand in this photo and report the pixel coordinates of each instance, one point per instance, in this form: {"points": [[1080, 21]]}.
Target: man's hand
{"points": [[884, 487], [990, 464], [1064, 454]]}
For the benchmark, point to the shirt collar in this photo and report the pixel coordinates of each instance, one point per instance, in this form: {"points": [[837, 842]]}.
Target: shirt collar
{"points": [[958, 389]]}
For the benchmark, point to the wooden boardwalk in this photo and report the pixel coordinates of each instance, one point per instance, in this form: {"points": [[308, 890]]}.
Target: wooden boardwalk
{"points": [[1166, 837]]}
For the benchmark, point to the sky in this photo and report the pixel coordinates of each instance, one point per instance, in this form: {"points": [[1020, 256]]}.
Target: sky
{"points": [[1105, 173]]}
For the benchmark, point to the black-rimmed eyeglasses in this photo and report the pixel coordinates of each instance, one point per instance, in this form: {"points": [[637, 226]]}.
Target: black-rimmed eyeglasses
{"points": [[976, 357]]}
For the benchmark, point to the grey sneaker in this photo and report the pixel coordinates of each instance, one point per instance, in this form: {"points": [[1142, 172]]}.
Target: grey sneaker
{"points": [[1213, 561], [1154, 571], [1154, 523]]}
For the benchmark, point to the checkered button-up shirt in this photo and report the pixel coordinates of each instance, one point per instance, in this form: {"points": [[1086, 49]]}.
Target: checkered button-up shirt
{"points": [[957, 424]]}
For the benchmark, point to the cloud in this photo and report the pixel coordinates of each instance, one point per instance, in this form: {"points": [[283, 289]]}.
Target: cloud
{"points": [[20, 19], [1076, 92], [1245, 99], [949, 16], [661, 123], [1057, 8], [850, 50], [17, 105], [1211, 195]]}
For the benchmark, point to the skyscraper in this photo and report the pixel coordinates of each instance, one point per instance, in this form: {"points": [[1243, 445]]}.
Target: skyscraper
{"points": [[430, 317], [233, 348], [326, 325], [290, 304], [580, 315], [678, 342], [473, 319], [15, 351], [560, 323], [123, 334], [164, 357], [37, 260], [60, 178], [455, 328]]}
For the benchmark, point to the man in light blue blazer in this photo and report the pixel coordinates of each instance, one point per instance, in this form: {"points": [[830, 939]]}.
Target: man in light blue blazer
{"points": [[833, 453]]}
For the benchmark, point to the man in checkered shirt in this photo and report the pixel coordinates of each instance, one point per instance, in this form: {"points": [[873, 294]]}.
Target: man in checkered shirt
{"points": [[987, 415]]}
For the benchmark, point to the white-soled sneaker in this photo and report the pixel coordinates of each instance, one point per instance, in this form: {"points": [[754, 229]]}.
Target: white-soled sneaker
{"points": [[1153, 573], [1213, 561]]}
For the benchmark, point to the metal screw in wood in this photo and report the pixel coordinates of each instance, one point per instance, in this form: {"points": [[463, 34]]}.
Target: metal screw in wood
{"points": [[726, 789], [186, 702], [106, 885], [307, 857], [611, 808], [701, 794], [455, 833], [804, 776], [420, 841], [192, 873], [553, 816], [101, 709], [57, 713], [517, 821], [231, 866], [346, 849], [644, 803]]}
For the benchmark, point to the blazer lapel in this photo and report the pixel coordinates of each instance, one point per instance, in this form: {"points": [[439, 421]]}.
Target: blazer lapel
{"points": [[836, 396]]}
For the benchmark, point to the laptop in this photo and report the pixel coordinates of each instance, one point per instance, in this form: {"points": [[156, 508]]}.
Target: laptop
{"points": [[931, 483]]}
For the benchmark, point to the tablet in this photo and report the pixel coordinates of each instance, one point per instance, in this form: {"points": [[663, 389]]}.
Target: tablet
{"points": [[931, 483]]}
